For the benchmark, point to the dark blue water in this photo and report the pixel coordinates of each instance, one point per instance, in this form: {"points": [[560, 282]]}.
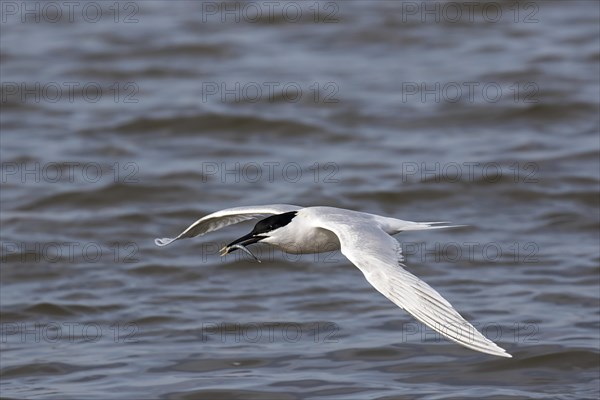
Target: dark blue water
{"points": [[122, 122]]}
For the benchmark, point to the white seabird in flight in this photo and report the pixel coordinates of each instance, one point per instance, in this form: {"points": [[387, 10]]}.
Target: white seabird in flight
{"points": [[365, 239]]}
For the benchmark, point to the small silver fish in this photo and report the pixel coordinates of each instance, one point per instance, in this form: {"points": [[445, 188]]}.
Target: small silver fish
{"points": [[227, 250]]}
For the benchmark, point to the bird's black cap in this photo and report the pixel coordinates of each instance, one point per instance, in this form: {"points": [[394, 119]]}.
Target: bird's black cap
{"points": [[273, 222], [263, 226]]}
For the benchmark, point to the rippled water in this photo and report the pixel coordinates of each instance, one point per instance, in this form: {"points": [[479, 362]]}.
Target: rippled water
{"points": [[127, 125]]}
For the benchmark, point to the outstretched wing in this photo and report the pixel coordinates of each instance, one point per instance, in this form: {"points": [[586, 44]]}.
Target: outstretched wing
{"points": [[229, 216], [378, 256]]}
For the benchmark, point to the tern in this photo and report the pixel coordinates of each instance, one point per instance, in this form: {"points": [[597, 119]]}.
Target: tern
{"points": [[366, 240]]}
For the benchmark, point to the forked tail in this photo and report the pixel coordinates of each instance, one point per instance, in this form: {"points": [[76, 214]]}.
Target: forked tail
{"points": [[400, 226], [418, 226]]}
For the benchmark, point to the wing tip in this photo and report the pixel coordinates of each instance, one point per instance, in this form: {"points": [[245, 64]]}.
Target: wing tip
{"points": [[490, 348], [494, 351], [163, 242], [503, 353]]}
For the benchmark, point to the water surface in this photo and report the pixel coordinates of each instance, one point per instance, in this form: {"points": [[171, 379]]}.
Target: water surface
{"points": [[162, 112]]}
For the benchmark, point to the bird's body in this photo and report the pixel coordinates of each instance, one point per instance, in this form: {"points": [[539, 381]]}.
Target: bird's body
{"points": [[365, 239], [307, 234], [303, 235]]}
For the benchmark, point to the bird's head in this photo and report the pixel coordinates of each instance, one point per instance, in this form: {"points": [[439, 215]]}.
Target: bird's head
{"points": [[265, 228]]}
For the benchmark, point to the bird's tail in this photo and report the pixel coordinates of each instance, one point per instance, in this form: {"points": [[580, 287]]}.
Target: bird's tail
{"points": [[401, 226], [418, 226]]}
